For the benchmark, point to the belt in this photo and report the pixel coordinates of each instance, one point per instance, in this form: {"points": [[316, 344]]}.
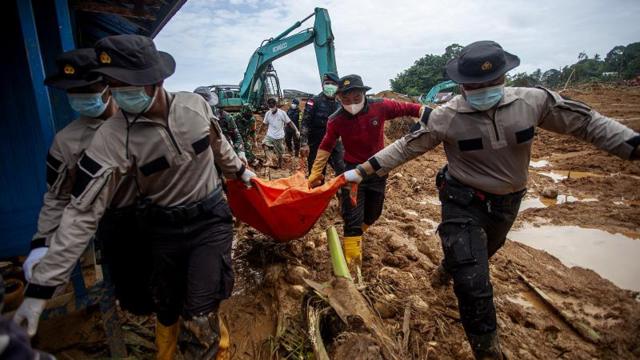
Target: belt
{"points": [[182, 213]]}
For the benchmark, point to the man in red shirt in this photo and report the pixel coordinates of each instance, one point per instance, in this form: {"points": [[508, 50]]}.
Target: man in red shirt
{"points": [[360, 124]]}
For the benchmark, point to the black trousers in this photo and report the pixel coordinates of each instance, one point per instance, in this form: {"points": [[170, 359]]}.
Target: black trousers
{"points": [[125, 256], [471, 232], [371, 192], [336, 159], [291, 140], [192, 269]]}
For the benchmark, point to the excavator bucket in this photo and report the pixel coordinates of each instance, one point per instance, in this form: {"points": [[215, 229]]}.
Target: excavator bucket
{"points": [[284, 209]]}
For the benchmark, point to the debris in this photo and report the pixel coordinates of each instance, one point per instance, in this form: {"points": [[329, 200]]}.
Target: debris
{"points": [[550, 193]]}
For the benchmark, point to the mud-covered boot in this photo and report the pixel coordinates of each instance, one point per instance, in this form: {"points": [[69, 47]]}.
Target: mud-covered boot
{"points": [[352, 247], [225, 342], [202, 337], [440, 277], [166, 340], [486, 346]]}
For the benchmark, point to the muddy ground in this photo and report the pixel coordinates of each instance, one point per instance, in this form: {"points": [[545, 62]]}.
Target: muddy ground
{"points": [[545, 310]]}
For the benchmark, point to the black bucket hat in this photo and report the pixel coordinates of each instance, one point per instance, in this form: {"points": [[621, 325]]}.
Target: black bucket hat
{"points": [[351, 82], [330, 76], [479, 62], [74, 69], [133, 59]]}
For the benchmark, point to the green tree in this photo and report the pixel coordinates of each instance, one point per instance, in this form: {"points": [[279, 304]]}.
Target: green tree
{"points": [[614, 59], [424, 73]]}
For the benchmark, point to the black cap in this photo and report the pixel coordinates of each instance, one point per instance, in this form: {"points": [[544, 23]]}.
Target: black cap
{"points": [[74, 69], [479, 62], [203, 91], [350, 82], [133, 59], [330, 76], [295, 101]]}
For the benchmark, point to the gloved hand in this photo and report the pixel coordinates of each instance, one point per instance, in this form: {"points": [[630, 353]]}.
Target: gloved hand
{"points": [[353, 176], [246, 177], [304, 151], [316, 174], [315, 180], [243, 157], [32, 260], [30, 311]]}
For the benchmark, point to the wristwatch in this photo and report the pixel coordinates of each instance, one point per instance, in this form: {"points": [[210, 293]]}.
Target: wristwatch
{"points": [[362, 171]]}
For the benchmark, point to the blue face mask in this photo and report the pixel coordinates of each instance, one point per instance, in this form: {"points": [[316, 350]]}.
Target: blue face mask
{"points": [[132, 99], [485, 98], [90, 105]]}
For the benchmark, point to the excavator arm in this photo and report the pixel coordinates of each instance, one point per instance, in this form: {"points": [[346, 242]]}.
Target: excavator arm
{"points": [[320, 35]]}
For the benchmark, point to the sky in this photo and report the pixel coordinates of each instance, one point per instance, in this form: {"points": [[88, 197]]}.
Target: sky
{"points": [[213, 40]]}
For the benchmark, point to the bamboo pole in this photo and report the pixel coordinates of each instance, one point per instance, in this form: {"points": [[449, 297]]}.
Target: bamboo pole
{"points": [[337, 257]]}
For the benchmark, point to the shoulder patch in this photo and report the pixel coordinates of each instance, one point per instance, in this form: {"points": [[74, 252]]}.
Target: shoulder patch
{"points": [[201, 145], [87, 168]]}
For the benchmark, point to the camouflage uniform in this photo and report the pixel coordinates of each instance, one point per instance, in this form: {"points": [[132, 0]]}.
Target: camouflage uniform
{"points": [[246, 123], [230, 131]]}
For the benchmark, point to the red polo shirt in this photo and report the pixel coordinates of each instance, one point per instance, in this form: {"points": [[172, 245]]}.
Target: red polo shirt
{"points": [[363, 134]]}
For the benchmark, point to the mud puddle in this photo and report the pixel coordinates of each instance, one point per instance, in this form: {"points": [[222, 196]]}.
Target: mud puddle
{"points": [[612, 256]]}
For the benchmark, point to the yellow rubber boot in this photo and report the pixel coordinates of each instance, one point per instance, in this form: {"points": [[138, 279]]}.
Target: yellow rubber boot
{"points": [[352, 247], [167, 340], [225, 342]]}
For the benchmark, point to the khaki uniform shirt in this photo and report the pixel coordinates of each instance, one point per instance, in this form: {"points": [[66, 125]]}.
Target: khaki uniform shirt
{"points": [[172, 162], [492, 154], [68, 146]]}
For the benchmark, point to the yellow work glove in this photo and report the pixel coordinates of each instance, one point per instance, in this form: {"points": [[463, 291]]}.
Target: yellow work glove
{"points": [[316, 177], [352, 247]]}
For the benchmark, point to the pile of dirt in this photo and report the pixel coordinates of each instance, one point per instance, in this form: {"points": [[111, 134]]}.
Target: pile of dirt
{"points": [[545, 309]]}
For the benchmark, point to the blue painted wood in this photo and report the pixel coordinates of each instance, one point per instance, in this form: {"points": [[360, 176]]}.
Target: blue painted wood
{"points": [[64, 25], [36, 68]]}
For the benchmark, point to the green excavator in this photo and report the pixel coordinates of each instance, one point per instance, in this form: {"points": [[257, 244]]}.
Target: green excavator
{"points": [[261, 81]]}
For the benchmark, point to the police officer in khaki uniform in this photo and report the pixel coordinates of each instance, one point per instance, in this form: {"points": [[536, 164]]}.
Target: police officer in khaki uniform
{"points": [[487, 134], [170, 144], [90, 97]]}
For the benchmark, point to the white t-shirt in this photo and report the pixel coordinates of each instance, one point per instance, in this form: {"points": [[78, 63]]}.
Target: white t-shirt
{"points": [[276, 123]]}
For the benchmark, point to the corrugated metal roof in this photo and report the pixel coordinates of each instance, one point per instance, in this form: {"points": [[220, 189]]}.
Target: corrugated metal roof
{"points": [[100, 18]]}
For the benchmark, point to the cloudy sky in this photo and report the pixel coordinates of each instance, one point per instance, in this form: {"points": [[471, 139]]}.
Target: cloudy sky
{"points": [[212, 40]]}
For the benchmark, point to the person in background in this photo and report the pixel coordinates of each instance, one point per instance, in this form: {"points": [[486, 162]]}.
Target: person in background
{"points": [[227, 123], [246, 123], [487, 134], [276, 120], [291, 140], [314, 124]]}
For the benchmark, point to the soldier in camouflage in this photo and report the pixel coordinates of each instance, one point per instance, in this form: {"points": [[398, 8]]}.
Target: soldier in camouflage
{"points": [[246, 123], [227, 123]]}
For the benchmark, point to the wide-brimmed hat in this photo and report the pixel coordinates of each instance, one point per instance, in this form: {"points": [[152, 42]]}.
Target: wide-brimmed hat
{"points": [[481, 61], [351, 82], [133, 59], [74, 69]]}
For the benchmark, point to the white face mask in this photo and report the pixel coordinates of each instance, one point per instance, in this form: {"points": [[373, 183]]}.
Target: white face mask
{"points": [[354, 108], [293, 106]]}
